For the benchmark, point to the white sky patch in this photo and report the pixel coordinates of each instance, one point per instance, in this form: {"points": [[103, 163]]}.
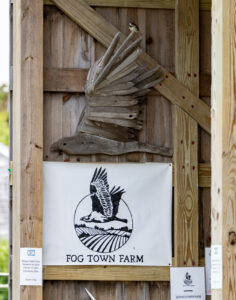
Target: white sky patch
{"points": [[4, 45]]}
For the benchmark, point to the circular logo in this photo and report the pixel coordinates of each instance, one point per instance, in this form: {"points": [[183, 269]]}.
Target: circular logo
{"points": [[102, 219]]}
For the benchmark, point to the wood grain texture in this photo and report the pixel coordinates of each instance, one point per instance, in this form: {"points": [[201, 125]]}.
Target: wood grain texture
{"points": [[107, 290], [186, 136], [186, 202], [204, 220], [162, 4], [220, 75], [107, 273], [27, 136], [81, 13], [204, 176], [59, 31], [64, 80], [224, 141]]}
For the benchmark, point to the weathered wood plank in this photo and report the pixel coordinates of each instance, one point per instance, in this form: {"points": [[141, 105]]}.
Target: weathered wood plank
{"points": [[224, 142], [107, 273], [27, 136], [64, 80], [53, 48], [71, 80], [106, 291], [77, 56], [80, 12], [60, 115], [161, 4], [186, 136]]}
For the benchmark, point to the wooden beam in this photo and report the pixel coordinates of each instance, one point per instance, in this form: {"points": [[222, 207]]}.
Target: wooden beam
{"points": [[224, 142], [73, 81], [154, 4], [186, 136], [106, 273], [81, 13], [27, 136], [161, 4]]}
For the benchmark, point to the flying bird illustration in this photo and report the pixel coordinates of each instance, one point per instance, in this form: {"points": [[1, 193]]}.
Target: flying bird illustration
{"points": [[115, 91], [105, 203]]}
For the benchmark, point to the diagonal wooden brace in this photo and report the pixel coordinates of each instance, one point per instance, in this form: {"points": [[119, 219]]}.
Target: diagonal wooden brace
{"points": [[103, 31]]}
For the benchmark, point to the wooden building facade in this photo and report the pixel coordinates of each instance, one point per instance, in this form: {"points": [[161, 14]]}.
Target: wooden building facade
{"points": [[54, 45]]}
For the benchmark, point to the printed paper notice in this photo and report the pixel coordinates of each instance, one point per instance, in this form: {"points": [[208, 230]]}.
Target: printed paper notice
{"points": [[208, 270], [31, 266], [216, 267], [187, 283]]}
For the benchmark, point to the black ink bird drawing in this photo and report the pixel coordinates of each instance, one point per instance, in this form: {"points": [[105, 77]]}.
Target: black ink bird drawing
{"points": [[109, 225], [105, 203], [115, 92]]}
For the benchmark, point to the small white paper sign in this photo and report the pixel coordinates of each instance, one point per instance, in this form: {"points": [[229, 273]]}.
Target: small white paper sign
{"points": [[31, 266], [216, 267], [187, 283], [208, 270]]}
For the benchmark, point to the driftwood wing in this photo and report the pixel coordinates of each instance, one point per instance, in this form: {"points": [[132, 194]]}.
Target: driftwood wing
{"points": [[115, 91]]}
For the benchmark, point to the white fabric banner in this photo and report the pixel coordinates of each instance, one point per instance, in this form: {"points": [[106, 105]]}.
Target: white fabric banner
{"points": [[107, 214]]}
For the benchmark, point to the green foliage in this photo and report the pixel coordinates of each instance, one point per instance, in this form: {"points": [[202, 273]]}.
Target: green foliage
{"points": [[3, 97], [3, 256], [4, 127], [3, 267], [3, 294], [3, 92]]}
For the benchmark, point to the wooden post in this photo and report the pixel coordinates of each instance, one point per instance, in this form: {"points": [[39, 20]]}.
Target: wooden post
{"points": [[186, 136], [27, 136], [224, 141]]}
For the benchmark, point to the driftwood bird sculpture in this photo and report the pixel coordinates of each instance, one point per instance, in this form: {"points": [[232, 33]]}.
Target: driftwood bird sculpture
{"points": [[115, 90], [105, 203]]}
